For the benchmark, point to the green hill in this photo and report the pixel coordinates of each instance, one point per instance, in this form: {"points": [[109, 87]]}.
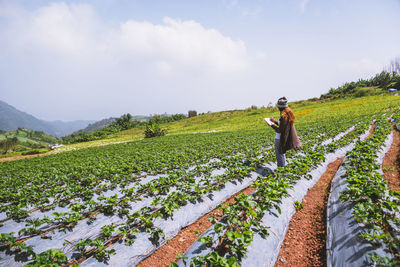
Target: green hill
{"points": [[252, 118], [352, 98], [126, 121], [376, 85], [348, 94], [248, 119], [25, 141]]}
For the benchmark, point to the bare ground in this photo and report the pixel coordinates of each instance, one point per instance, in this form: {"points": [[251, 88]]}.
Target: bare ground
{"points": [[25, 157], [305, 241], [391, 163]]}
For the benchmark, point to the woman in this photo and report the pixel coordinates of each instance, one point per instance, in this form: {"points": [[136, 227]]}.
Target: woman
{"points": [[286, 136]]}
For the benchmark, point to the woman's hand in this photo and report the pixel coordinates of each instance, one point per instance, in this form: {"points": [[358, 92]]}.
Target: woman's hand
{"points": [[273, 120]]}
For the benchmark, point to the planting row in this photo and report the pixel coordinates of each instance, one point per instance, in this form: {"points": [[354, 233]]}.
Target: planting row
{"points": [[363, 213], [167, 194], [228, 241], [89, 204]]}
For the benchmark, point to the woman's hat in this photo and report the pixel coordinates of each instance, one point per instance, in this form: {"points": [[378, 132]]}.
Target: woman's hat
{"points": [[282, 103]]}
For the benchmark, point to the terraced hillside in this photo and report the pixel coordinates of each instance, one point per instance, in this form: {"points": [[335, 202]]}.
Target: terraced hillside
{"points": [[26, 141]]}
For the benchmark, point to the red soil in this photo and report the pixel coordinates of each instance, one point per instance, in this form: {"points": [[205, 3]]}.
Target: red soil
{"points": [[391, 163], [22, 157], [371, 131], [304, 243]]}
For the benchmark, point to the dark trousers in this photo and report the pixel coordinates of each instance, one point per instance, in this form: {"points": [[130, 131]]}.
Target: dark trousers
{"points": [[280, 158]]}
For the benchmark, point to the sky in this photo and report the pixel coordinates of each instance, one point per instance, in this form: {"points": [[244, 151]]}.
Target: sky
{"points": [[89, 60]]}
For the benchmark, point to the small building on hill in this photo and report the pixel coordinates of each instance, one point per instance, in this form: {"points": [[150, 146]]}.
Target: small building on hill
{"points": [[55, 146]]}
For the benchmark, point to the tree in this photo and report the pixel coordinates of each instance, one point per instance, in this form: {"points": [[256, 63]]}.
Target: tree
{"points": [[9, 143], [382, 79], [154, 130], [192, 113], [124, 121], [394, 66]]}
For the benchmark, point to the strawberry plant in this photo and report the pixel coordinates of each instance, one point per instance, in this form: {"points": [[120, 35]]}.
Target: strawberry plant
{"points": [[375, 205], [61, 192]]}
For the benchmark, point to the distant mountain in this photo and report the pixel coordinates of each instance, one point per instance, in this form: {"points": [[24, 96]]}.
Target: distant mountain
{"points": [[12, 118], [62, 128], [98, 125]]}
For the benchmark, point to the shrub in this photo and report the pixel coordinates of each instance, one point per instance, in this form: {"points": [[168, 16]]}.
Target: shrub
{"points": [[35, 151], [361, 93], [31, 152], [192, 113], [154, 130], [9, 143]]}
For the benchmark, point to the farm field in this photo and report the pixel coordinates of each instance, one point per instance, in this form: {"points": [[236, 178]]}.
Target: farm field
{"points": [[115, 204], [224, 121]]}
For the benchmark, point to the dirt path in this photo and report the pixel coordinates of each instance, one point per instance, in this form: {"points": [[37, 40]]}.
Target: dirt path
{"points": [[371, 131], [391, 163], [167, 254], [305, 241], [25, 157]]}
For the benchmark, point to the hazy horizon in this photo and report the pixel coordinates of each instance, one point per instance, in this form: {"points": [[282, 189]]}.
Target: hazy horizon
{"points": [[95, 59]]}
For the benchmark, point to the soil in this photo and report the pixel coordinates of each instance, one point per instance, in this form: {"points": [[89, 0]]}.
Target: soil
{"points": [[371, 131], [23, 157], [167, 254], [305, 240], [391, 163]]}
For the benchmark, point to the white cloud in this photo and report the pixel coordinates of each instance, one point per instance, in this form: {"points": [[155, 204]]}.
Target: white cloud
{"points": [[230, 3], [260, 55], [58, 28], [163, 66], [248, 12], [100, 68], [66, 50], [184, 42], [303, 5], [74, 30]]}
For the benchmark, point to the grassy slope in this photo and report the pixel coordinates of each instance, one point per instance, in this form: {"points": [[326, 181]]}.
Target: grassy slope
{"points": [[253, 118], [27, 135], [28, 140]]}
